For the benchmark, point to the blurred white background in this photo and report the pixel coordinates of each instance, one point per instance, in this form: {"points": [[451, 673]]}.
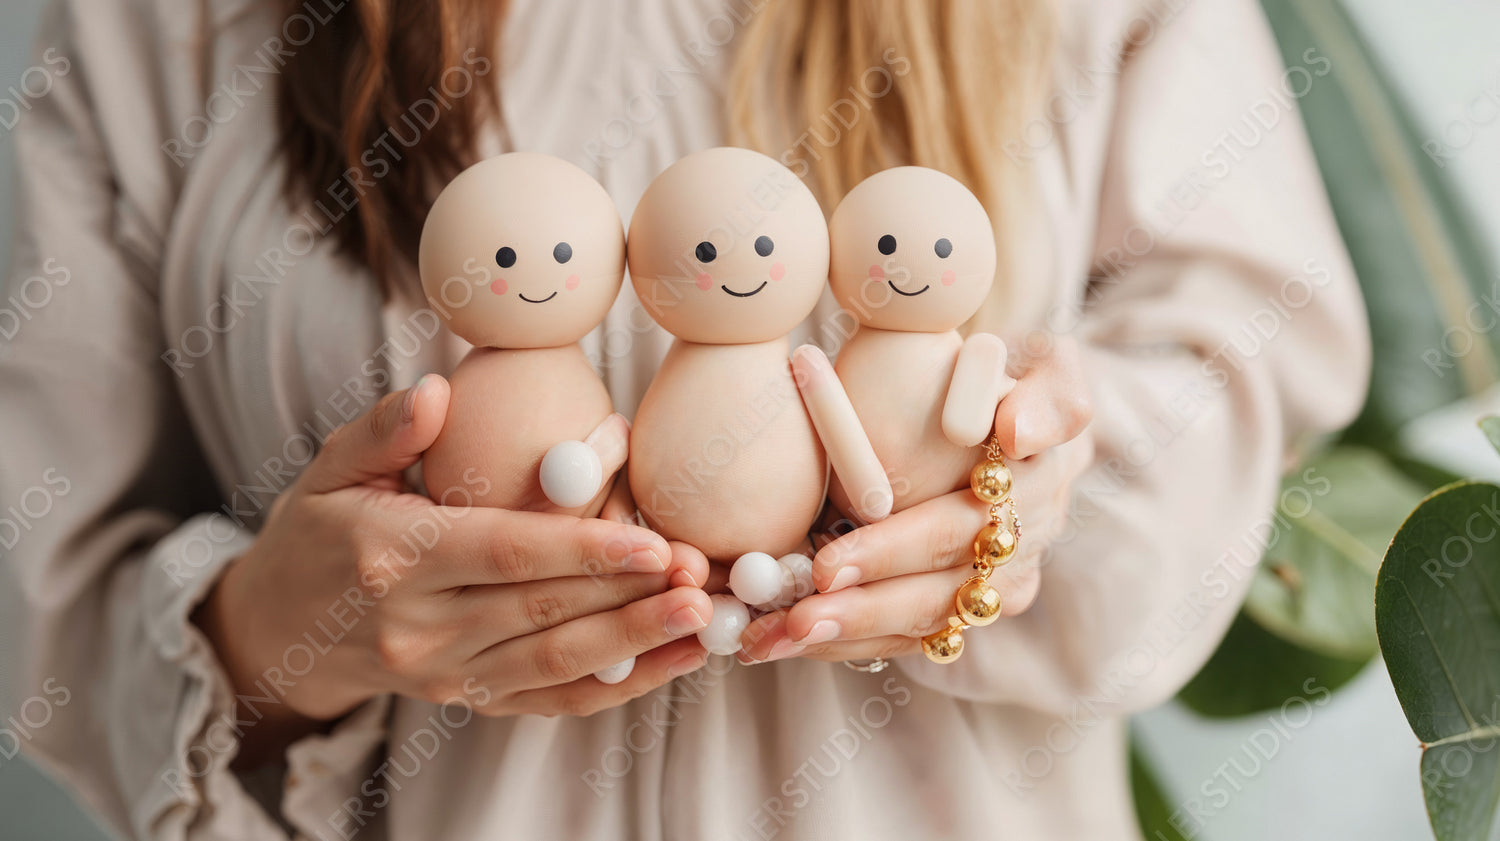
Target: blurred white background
{"points": [[1351, 772]]}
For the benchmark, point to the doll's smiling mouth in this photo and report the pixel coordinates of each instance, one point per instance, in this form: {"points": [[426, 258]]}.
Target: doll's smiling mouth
{"points": [[538, 300], [745, 294], [908, 294]]}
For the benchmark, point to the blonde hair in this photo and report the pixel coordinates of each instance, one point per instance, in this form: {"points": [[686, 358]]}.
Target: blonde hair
{"points": [[863, 85]]}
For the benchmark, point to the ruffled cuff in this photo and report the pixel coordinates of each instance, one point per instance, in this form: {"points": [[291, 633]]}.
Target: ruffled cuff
{"points": [[193, 793], [330, 791]]}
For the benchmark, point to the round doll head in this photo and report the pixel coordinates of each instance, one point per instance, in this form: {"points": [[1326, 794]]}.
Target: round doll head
{"points": [[728, 247], [522, 251], [913, 251]]}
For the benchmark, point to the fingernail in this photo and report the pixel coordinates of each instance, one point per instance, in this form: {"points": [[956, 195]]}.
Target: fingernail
{"points": [[409, 403], [824, 630], [644, 560], [845, 577], [684, 621], [682, 578], [687, 665], [782, 649]]}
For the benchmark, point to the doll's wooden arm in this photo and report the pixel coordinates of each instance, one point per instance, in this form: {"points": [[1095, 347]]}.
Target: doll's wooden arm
{"points": [[979, 384], [843, 436]]}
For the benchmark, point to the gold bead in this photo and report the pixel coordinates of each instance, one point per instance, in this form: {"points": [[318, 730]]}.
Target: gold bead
{"points": [[946, 645], [990, 481], [994, 544], [978, 603]]}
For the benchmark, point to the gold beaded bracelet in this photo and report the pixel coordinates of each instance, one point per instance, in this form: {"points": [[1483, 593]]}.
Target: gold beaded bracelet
{"points": [[977, 602]]}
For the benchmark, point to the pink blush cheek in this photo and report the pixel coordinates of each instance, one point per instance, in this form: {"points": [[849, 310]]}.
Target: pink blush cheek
{"points": [[877, 273], [704, 281], [949, 278], [778, 271], [498, 286], [571, 282]]}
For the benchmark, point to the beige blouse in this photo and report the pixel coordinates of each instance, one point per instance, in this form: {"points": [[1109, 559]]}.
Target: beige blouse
{"points": [[195, 335]]}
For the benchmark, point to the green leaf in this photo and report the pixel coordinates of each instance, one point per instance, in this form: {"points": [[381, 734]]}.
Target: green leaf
{"points": [[1316, 585], [1420, 259], [1491, 427], [1460, 784], [1151, 808], [1429, 476], [1254, 671], [1437, 608]]}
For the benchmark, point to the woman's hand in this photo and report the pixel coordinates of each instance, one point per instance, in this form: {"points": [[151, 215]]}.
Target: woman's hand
{"points": [[882, 587], [356, 588]]}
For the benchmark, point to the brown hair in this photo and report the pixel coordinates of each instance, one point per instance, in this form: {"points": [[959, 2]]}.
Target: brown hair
{"points": [[360, 77], [940, 84]]}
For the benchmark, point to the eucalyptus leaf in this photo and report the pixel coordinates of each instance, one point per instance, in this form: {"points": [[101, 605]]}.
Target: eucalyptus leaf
{"points": [[1437, 607], [1254, 671], [1151, 808], [1491, 427], [1419, 257], [1317, 581], [1423, 473]]}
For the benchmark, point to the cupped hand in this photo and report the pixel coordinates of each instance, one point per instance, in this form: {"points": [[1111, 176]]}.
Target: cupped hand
{"points": [[356, 587], [884, 586]]}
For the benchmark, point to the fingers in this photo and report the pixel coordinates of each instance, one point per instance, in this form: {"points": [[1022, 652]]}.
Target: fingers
{"points": [[1049, 405], [765, 639], [933, 535], [610, 440], [586, 696], [1018, 586], [493, 612], [619, 505], [888, 648], [689, 567], [378, 445], [495, 546], [583, 646], [909, 607], [869, 649], [610, 443]]}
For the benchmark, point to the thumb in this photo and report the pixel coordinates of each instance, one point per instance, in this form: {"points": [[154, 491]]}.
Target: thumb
{"points": [[1049, 405], [382, 442]]}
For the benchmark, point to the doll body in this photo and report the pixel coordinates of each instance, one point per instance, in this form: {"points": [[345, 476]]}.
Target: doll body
{"points": [[725, 457], [522, 255], [491, 433], [897, 382], [729, 252], [913, 257]]}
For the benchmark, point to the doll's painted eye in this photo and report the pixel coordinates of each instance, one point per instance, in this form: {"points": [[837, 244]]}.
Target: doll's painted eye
{"points": [[706, 252], [563, 252], [943, 247], [887, 245], [764, 246], [506, 257]]}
